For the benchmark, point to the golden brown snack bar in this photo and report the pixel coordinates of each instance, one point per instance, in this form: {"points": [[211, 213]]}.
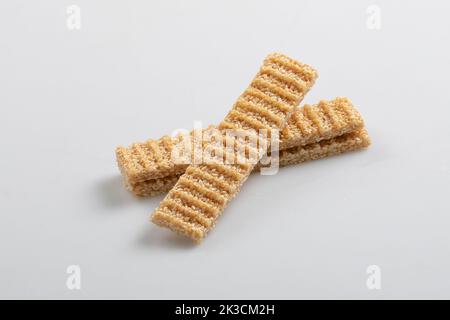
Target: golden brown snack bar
{"points": [[201, 194], [330, 147], [309, 124]]}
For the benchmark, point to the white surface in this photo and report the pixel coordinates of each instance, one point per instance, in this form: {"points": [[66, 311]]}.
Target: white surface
{"points": [[138, 69]]}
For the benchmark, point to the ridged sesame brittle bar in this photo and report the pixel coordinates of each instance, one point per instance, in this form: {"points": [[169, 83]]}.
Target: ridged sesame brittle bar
{"points": [[326, 148], [201, 194], [308, 124]]}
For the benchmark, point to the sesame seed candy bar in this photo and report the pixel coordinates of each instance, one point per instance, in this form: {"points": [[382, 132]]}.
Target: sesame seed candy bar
{"points": [[326, 148], [193, 205], [309, 124]]}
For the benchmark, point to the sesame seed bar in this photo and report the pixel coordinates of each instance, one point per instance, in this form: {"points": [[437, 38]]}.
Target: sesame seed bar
{"points": [[311, 123], [352, 141], [200, 195]]}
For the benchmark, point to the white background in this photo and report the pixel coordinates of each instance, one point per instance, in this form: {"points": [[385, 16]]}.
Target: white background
{"points": [[139, 69]]}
